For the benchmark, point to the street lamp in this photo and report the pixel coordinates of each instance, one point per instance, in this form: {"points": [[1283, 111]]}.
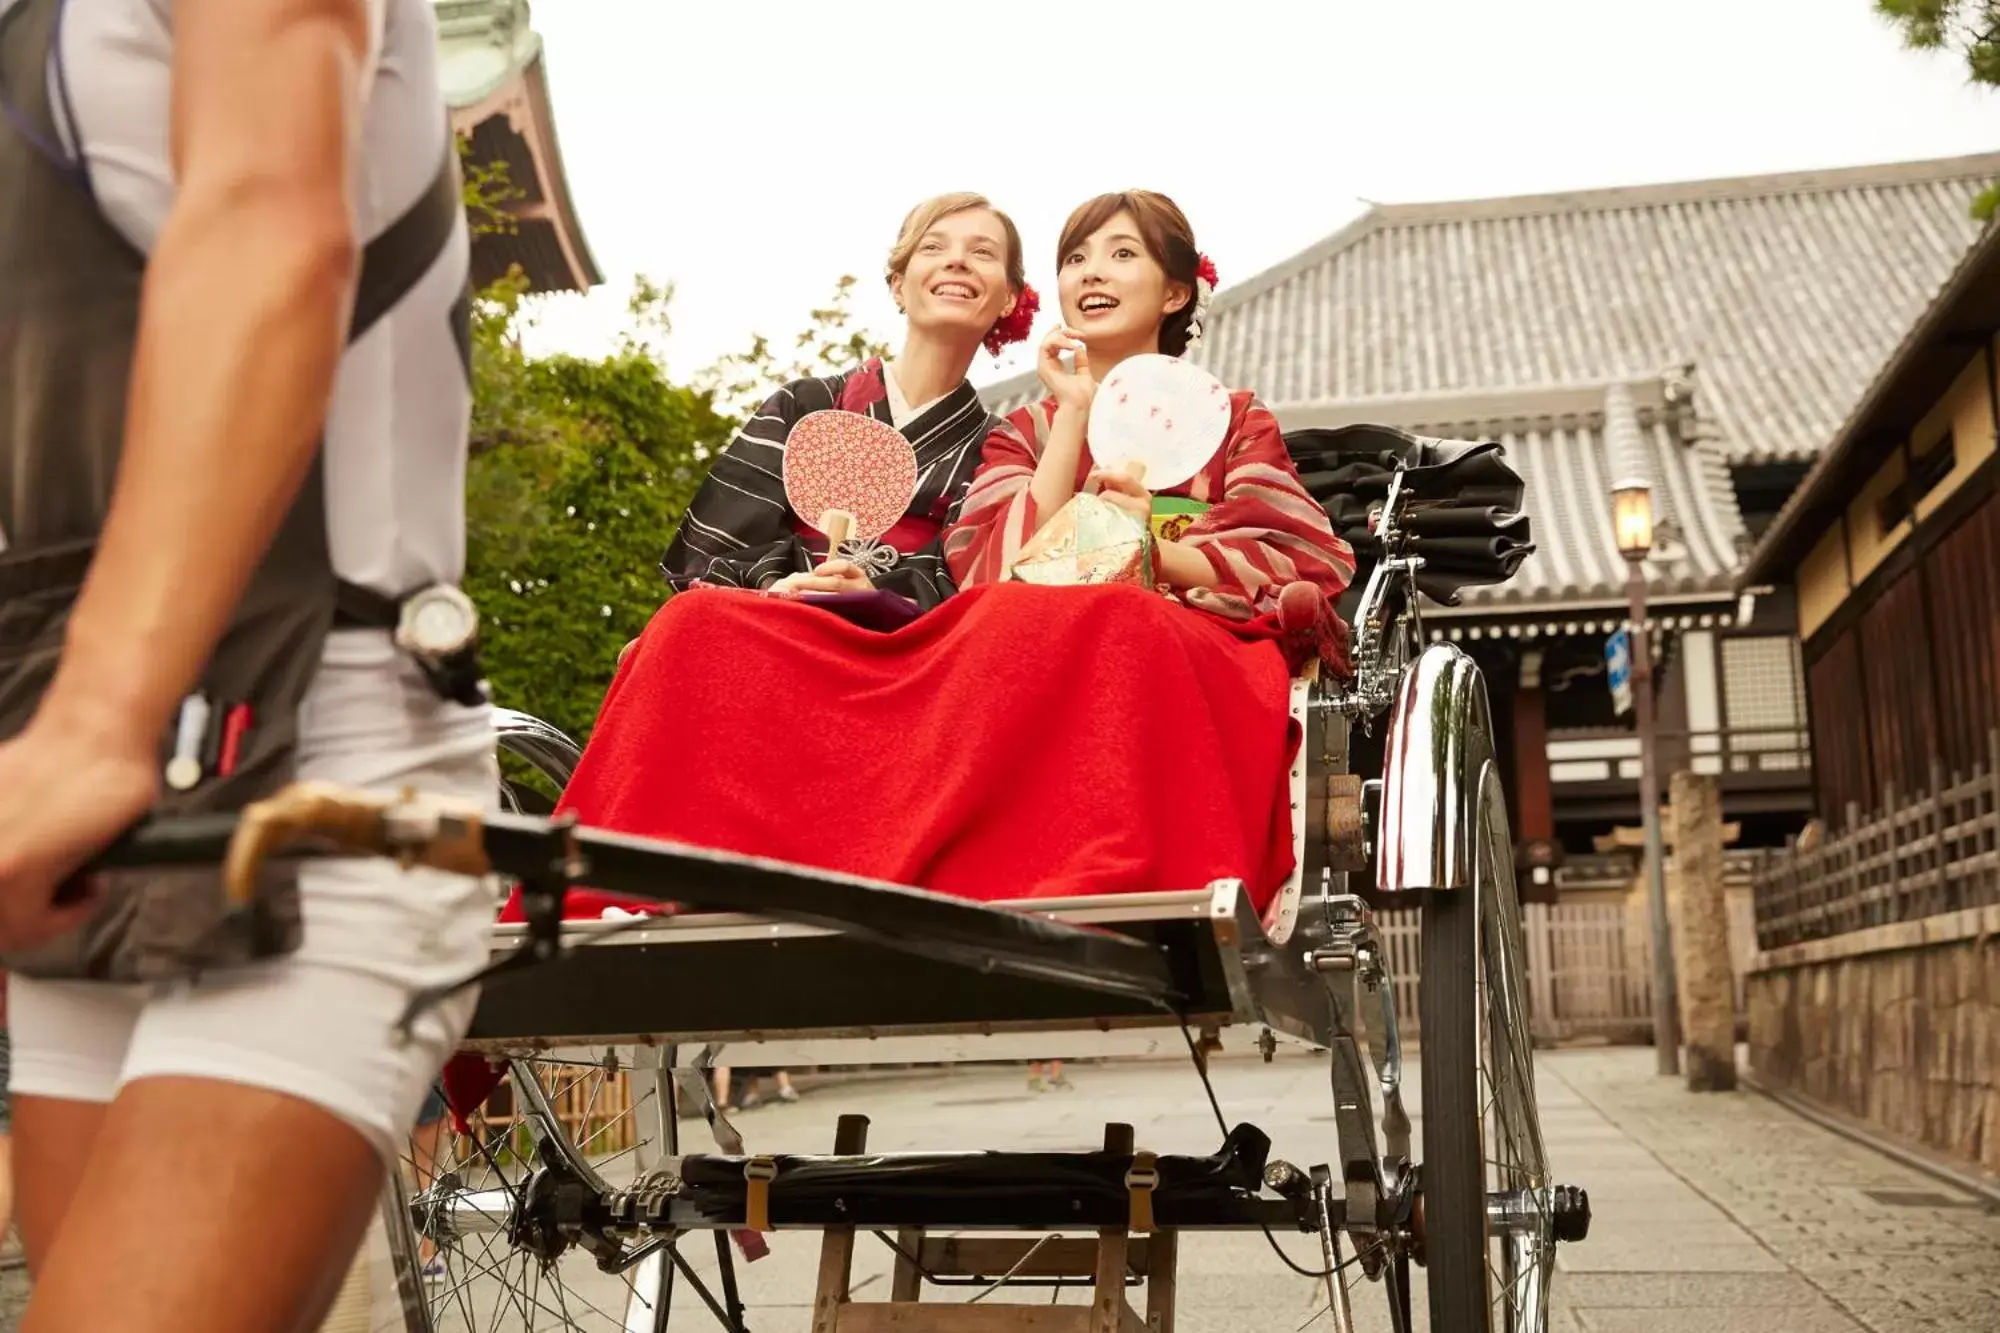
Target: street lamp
{"points": [[1632, 523]]}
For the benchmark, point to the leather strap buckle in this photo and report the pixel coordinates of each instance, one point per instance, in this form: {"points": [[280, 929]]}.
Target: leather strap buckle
{"points": [[1141, 1180], [758, 1173]]}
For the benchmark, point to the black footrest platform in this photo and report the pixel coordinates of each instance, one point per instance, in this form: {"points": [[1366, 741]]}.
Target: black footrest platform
{"points": [[1000, 1191]]}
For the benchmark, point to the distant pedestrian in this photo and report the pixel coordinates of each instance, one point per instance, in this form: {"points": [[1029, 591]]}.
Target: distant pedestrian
{"points": [[752, 1098]]}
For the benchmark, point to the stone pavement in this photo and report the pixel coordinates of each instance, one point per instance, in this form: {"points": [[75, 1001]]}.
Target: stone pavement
{"points": [[1714, 1213], [1727, 1211]]}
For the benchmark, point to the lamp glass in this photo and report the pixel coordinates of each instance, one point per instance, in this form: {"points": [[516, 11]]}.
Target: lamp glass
{"points": [[1632, 519]]}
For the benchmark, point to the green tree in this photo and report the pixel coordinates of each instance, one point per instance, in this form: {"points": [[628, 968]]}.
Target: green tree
{"points": [[581, 469], [1969, 27], [487, 190]]}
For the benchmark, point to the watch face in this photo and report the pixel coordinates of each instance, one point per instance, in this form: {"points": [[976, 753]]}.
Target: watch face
{"points": [[438, 626]]}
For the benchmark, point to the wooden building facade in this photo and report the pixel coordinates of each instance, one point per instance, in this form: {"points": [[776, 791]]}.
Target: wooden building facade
{"points": [[1892, 544]]}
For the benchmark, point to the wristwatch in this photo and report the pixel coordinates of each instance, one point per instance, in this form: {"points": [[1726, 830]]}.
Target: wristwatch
{"points": [[437, 623]]}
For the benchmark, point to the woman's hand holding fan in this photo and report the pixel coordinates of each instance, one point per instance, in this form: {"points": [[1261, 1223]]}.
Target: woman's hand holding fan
{"points": [[1156, 422], [852, 478], [1126, 489]]}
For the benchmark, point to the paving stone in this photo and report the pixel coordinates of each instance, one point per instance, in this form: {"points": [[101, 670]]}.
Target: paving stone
{"points": [[1817, 1318], [1799, 1191]]}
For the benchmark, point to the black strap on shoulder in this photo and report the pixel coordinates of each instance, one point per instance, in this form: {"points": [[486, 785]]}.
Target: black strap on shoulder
{"points": [[397, 260], [391, 265]]}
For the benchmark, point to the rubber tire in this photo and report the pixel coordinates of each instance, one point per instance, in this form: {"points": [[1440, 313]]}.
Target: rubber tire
{"points": [[1454, 1170]]}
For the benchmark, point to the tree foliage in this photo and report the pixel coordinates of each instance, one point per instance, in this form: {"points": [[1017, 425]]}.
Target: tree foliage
{"points": [[1969, 27], [580, 471]]}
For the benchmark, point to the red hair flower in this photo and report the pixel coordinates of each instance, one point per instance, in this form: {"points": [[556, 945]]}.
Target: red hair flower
{"points": [[1204, 293], [1015, 326]]}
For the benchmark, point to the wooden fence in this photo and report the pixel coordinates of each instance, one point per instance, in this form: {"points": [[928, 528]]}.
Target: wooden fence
{"points": [[1921, 855], [594, 1106], [1586, 976]]}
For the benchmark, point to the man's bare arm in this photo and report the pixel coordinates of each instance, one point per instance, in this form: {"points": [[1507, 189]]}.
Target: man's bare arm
{"points": [[242, 325]]}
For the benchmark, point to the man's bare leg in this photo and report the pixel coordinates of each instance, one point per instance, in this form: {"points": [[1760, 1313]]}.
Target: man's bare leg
{"points": [[54, 1138], [190, 1181], [6, 1184]]}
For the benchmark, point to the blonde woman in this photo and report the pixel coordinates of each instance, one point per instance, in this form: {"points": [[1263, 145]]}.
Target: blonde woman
{"points": [[957, 275]]}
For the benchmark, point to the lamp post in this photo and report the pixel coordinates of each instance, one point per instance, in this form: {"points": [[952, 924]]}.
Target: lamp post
{"points": [[1632, 522]]}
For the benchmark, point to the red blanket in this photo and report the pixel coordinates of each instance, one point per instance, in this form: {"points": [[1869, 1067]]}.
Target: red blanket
{"points": [[1014, 742], [1145, 745]]}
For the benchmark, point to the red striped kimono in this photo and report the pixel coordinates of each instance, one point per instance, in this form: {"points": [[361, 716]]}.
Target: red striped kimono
{"points": [[1261, 532]]}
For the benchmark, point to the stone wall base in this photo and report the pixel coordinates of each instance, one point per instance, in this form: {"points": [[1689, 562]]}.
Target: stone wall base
{"points": [[1899, 1026]]}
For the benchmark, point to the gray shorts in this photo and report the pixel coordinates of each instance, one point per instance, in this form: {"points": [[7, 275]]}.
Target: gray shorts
{"points": [[6, 1071]]}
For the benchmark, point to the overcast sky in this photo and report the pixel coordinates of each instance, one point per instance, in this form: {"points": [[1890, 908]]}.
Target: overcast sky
{"points": [[752, 152]]}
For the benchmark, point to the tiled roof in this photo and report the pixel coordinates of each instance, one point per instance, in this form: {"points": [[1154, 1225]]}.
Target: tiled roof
{"points": [[1931, 354], [1784, 292]]}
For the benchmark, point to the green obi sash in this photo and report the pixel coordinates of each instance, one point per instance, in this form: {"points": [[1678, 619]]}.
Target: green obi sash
{"points": [[1173, 514]]}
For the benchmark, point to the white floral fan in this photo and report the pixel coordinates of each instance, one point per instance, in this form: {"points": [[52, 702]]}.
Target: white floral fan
{"points": [[1158, 419]]}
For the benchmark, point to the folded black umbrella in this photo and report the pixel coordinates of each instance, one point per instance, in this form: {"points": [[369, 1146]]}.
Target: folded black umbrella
{"points": [[1463, 513]]}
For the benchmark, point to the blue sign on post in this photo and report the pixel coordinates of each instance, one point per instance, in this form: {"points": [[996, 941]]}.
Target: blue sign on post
{"points": [[1618, 669]]}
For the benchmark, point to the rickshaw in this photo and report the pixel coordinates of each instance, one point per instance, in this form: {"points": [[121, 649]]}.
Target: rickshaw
{"points": [[573, 1206]]}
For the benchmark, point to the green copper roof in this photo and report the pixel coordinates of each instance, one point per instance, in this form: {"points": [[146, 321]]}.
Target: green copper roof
{"points": [[481, 45]]}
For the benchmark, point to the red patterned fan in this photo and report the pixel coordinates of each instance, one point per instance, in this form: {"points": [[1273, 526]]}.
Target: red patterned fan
{"points": [[849, 475]]}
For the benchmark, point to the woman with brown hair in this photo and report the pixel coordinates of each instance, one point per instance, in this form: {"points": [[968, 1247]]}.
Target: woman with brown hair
{"points": [[957, 275], [1132, 283]]}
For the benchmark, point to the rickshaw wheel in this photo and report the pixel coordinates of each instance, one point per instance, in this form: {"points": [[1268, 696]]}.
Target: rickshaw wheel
{"points": [[1488, 1210]]}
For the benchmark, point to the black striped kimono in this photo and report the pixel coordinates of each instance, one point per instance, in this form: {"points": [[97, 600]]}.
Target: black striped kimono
{"points": [[739, 531]]}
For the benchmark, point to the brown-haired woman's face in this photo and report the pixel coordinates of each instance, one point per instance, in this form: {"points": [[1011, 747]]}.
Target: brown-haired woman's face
{"points": [[957, 276], [1113, 290]]}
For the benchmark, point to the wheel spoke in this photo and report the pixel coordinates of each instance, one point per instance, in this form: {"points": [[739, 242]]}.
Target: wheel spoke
{"points": [[506, 1268], [1517, 1256]]}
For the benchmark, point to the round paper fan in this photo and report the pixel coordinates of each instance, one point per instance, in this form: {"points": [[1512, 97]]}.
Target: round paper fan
{"points": [[847, 461], [1166, 414]]}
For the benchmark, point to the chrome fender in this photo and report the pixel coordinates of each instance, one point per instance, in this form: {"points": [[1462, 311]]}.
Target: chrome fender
{"points": [[1439, 736], [540, 743]]}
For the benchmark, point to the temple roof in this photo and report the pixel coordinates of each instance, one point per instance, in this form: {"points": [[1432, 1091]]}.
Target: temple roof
{"points": [[1907, 389], [495, 79]]}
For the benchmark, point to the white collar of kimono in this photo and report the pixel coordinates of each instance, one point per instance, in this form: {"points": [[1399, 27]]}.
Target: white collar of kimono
{"points": [[900, 411]]}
